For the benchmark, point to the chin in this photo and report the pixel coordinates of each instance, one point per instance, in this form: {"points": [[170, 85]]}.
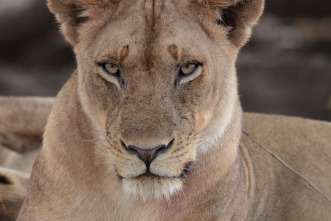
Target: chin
{"points": [[151, 187]]}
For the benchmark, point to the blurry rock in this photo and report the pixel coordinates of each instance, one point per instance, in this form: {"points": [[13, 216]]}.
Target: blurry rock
{"points": [[29, 34], [299, 8]]}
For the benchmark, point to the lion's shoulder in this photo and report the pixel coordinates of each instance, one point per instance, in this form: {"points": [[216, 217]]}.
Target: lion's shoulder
{"points": [[297, 140], [303, 146]]}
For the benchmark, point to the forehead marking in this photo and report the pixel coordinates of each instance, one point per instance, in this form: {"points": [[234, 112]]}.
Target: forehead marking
{"points": [[150, 11], [123, 52], [149, 33], [174, 52]]}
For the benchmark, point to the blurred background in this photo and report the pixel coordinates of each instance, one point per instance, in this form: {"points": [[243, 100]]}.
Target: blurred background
{"points": [[284, 69]]}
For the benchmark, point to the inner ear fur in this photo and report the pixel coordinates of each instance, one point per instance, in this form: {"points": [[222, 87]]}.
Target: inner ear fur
{"points": [[240, 16], [71, 14]]}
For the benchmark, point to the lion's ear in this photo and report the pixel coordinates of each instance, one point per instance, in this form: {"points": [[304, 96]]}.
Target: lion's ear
{"points": [[240, 16], [72, 14]]}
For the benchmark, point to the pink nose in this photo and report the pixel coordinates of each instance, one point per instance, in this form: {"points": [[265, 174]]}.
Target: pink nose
{"points": [[147, 155]]}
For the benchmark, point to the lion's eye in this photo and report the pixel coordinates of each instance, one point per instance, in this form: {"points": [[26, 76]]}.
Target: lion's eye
{"points": [[188, 72], [111, 68], [188, 69], [111, 72]]}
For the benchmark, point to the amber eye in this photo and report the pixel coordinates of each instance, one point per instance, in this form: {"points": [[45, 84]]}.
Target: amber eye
{"points": [[111, 68], [188, 69], [110, 72], [188, 72]]}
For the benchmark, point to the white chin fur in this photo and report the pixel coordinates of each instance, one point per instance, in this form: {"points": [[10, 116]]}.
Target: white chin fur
{"points": [[151, 187], [210, 137], [216, 129]]}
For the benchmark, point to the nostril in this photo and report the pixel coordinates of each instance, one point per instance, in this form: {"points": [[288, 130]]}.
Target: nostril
{"points": [[164, 148], [148, 155], [123, 144]]}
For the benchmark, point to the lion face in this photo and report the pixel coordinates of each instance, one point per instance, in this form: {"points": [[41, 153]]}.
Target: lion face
{"points": [[157, 79]]}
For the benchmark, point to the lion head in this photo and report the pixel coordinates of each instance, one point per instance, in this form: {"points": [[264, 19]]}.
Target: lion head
{"points": [[157, 79]]}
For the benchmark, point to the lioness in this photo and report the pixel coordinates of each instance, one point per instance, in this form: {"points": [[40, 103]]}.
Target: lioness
{"points": [[149, 127]]}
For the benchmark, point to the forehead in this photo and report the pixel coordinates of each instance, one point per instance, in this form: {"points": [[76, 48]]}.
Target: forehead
{"points": [[152, 26]]}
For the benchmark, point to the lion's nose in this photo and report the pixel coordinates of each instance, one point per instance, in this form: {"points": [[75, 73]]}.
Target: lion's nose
{"points": [[148, 155]]}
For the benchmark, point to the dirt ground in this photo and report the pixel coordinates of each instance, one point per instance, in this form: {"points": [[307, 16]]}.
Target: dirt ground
{"points": [[285, 69]]}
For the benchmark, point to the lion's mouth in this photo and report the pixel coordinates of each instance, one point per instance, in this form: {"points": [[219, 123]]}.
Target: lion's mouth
{"points": [[149, 174], [153, 181]]}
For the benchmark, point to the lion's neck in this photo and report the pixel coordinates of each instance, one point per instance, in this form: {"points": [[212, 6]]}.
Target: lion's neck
{"points": [[215, 186]]}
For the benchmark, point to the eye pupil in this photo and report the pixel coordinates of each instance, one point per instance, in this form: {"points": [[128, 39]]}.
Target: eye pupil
{"points": [[111, 68], [188, 69]]}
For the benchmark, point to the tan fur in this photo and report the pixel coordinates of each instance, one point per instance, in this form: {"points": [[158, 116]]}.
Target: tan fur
{"points": [[84, 171], [22, 121], [12, 192], [276, 193]]}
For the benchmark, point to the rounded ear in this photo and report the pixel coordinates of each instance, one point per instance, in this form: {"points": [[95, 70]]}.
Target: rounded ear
{"points": [[72, 14], [240, 16]]}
